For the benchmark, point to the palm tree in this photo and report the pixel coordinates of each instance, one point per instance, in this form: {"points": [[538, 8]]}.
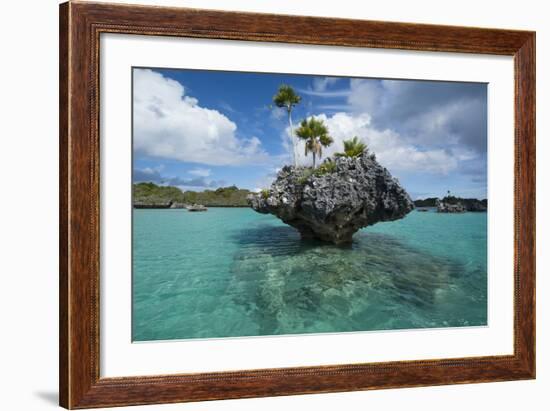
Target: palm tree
{"points": [[352, 148], [316, 136], [287, 98]]}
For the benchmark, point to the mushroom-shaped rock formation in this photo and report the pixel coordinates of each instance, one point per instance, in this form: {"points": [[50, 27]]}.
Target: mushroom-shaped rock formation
{"points": [[334, 201]]}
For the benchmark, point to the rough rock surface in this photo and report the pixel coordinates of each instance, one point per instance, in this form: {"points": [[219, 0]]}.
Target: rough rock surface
{"points": [[460, 205], [334, 205], [446, 207]]}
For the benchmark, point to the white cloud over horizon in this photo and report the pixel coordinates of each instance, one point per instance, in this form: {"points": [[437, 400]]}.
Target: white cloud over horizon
{"points": [[391, 150], [416, 127], [424, 112], [172, 125], [201, 172]]}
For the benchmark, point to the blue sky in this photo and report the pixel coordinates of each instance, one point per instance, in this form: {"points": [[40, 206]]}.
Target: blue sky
{"points": [[205, 129]]}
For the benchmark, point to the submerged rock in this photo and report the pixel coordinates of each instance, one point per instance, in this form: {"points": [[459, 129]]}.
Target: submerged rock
{"points": [[334, 201], [287, 286]]}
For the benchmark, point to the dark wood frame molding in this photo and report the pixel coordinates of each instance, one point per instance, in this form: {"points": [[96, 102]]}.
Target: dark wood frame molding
{"points": [[80, 27]]}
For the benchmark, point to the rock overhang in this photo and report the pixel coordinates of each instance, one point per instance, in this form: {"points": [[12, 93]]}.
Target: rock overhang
{"points": [[332, 206]]}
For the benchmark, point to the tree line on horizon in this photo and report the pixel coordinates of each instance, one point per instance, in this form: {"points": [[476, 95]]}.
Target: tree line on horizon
{"points": [[151, 195]]}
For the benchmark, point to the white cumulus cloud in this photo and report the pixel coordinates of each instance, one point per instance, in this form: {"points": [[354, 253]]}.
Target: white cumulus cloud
{"points": [[201, 172], [391, 149], [428, 113], [170, 124]]}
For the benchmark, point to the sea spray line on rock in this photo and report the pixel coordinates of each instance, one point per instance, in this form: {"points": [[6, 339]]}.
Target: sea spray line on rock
{"points": [[332, 205]]}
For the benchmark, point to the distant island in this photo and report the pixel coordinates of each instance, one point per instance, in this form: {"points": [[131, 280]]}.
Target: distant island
{"points": [[150, 195], [453, 204]]}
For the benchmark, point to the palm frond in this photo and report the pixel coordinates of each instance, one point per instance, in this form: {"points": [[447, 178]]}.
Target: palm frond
{"points": [[326, 140], [353, 148], [315, 134], [286, 97]]}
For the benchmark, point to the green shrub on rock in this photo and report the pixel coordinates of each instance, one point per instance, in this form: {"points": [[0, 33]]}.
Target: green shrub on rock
{"points": [[327, 167]]}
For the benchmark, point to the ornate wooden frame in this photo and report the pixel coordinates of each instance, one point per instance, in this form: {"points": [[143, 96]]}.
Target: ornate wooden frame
{"points": [[80, 27]]}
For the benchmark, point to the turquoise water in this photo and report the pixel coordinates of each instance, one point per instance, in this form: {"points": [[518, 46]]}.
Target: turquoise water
{"points": [[233, 272]]}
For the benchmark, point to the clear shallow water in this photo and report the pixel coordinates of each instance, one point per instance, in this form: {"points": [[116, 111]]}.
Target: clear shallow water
{"points": [[233, 272]]}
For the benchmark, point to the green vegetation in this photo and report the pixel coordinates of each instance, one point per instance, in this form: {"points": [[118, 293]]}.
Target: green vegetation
{"points": [[449, 199], [352, 148], [315, 134], [151, 195], [305, 174], [265, 193], [287, 98], [221, 197], [327, 167], [428, 202]]}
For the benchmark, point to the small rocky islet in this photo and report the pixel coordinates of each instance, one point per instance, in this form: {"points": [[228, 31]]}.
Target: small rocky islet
{"points": [[331, 203], [451, 204]]}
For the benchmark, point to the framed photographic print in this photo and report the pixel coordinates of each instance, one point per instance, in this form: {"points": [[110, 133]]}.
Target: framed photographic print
{"points": [[257, 205]]}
